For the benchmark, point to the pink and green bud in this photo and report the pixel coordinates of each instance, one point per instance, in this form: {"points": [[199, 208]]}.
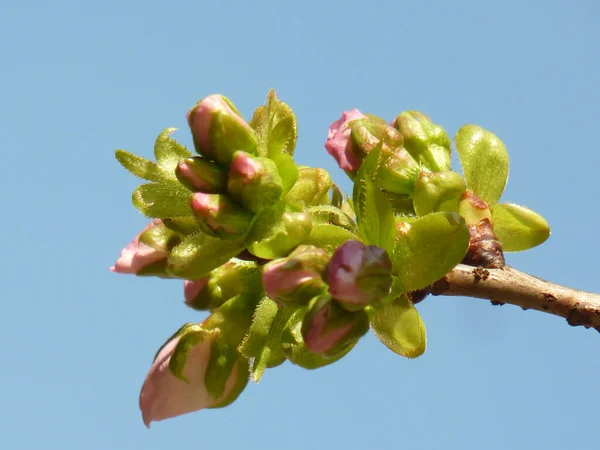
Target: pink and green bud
{"points": [[225, 282], [146, 254], [340, 146], [298, 278], [219, 214], [189, 374], [427, 142], [359, 275], [311, 187], [254, 181], [219, 130], [200, 175], [328, 329]]}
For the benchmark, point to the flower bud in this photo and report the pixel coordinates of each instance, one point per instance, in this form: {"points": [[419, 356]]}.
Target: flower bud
{"points": [[183, 372], [277, 231], [147, 253], [219, 130], [398, 172], [219, 214], [253, 181], [339, 145], [328, 329], [438, 191], [367, 133], [359, 275], [200, 175], [427, 142], [223, 283], [311, 187], [296, 279]]}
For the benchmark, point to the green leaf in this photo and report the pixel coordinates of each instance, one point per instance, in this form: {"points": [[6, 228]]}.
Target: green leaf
{"points": [[427, 248], [188, 339], [518, 228], [140, 167], [374, 213], [329, 237], [327, 214], [288, 171], [162, 200], [263, 341], [275, 126], [199, 254], [259, 330], [399, 327], [169, 152], [182, 225], [484, 162]]}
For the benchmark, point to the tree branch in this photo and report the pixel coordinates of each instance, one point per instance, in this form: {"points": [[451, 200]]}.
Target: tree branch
{"points": [[507, 285]]}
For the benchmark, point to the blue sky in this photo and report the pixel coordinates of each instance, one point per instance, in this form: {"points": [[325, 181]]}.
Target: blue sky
{"points": [[81, 79]]}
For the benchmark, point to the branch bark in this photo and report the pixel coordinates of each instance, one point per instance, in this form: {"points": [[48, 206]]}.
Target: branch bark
{"points": [[510, 286]]}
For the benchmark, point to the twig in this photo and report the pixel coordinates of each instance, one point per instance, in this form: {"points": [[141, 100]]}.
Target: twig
{"points": [[507, 285]]}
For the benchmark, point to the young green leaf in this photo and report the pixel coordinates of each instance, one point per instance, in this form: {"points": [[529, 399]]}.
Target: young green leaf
{"points": [[169, 152], [427, 248], [140, 167], [162, 200], [399, 327], [288, 171], [327, 214], [374, 213], [484, 162], [275, 126], [518, 228], [329, 237], [199, 254]]}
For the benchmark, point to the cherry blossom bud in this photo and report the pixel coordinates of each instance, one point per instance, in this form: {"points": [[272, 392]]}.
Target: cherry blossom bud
{"points": [[339, 145], [220, 214], [200, 175], [179, 380], [253, 181], [225, 282], [358, 275], [329, 329], [296, 279], [427, 142], [219, 130], [147, 253]]}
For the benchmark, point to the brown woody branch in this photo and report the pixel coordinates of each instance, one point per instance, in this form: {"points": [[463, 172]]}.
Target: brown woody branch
{"points": [[507, 285]]}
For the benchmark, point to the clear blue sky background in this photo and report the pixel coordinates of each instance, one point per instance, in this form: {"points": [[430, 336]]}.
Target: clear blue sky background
{"points": [[79, 79]]}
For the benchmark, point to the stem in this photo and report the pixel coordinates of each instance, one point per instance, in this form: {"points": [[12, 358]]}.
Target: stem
{"points": [[507, 285]]}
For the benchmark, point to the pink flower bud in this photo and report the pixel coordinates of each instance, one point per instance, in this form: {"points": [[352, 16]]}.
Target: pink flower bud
{"points": [[339, 145], [220, 214], [297, 278], [255, 182], [137, 255], [163, 395], [328, 329], [359, 275], [219, 130], [201, 175]]}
